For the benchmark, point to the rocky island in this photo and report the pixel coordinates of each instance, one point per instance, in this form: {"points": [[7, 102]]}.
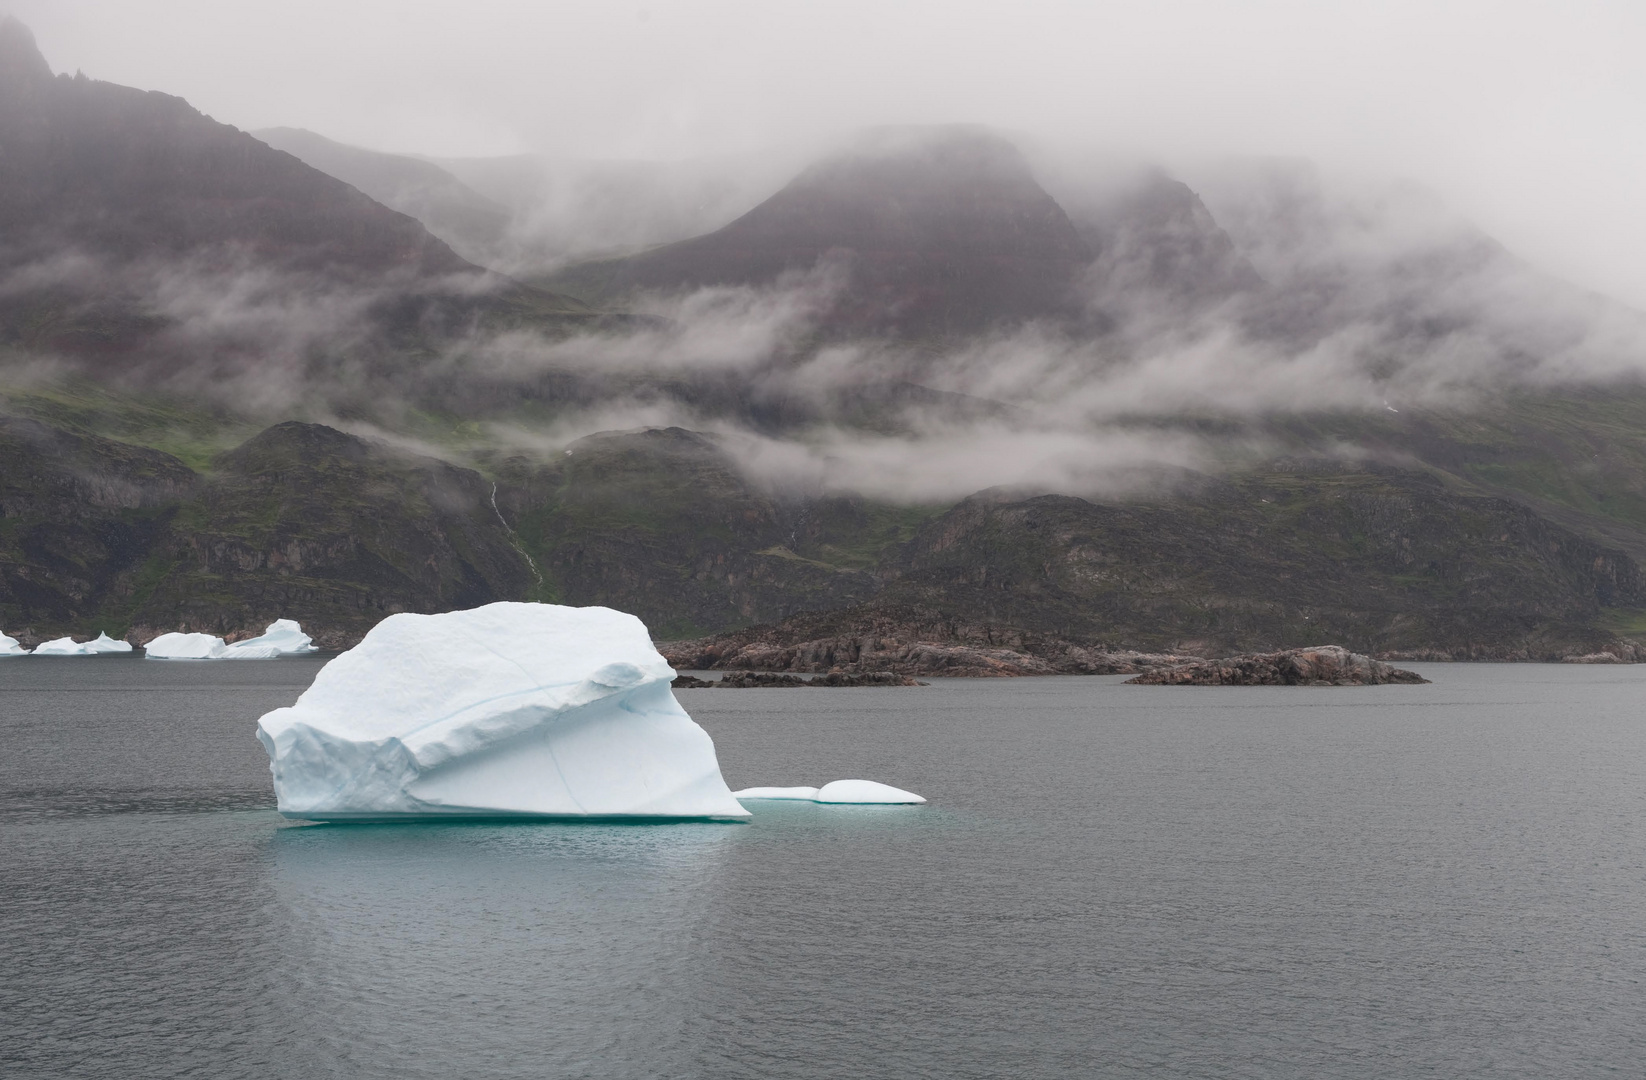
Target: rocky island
{"points": [[1322, 665]]}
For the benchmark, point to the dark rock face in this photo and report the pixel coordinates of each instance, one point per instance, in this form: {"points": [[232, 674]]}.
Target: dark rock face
{"points": [[1382, 559], [306, 522], [79, 516], [1388, 560], [904, 641], [309, 523], [660, 523], [1324, 665], [300, 522], [941, 231]]}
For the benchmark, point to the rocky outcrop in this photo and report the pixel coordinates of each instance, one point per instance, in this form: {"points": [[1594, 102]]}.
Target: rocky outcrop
{"points": [[1324, 665], [930, 658], [769, 680]]}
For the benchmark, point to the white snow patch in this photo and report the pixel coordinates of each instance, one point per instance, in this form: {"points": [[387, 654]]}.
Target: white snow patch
{"points": [[176, 646], [284, 637], [67, 646], [802, 794], [511, 709], [864, 791]]}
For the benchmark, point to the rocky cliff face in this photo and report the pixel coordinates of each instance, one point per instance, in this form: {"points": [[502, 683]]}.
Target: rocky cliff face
{"points": [[306, 522], [1373, 559], [309, 523], [79, 516], [1380, 560], [300, 522], [662, 524]]}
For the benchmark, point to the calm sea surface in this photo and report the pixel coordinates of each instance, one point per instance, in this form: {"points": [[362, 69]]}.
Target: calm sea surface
{"points": [[1110, 881]]}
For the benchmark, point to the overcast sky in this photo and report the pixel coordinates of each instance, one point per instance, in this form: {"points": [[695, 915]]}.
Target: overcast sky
{"points": [[1527, 115]]}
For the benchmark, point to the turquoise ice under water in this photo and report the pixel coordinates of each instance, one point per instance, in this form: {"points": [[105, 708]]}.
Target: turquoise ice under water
{"points": [[1108, 881]]}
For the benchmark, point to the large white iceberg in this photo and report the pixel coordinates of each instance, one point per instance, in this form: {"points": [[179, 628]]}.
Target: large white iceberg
{"points": [[175, 646], [859, 792], [283, 638], [67, 646], [511, 709], [10, 646]]}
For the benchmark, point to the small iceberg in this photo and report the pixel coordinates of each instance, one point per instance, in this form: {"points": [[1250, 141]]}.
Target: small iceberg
{"points": [[175, 646], [798, 794], [284, 637], [840, 792], [507, 710], [865, 791], [10, 646], [102, 643], [67, 646]]}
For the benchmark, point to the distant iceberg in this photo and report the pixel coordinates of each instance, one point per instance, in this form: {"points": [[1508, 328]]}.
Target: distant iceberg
{"points": [[508, 710], [9, 646], [284, 637], [102, 643], [860, 792], [797, 794], [177, 646], [67, 646]]}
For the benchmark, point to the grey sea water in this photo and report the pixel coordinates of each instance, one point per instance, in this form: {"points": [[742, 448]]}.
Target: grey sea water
{"points": [[1109, 881]]}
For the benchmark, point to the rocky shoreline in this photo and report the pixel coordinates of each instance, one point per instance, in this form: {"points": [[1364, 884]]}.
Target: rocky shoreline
{"points": [[772, 680]]}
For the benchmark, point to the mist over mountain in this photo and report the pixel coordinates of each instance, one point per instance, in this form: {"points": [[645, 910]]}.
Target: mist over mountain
{"points": [[721, 393], [462, 217], [566, 209]]}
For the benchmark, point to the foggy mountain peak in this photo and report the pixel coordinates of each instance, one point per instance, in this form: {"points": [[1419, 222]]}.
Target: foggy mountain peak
{"points": [[936, 230], [955, 189], [23, 67]]}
